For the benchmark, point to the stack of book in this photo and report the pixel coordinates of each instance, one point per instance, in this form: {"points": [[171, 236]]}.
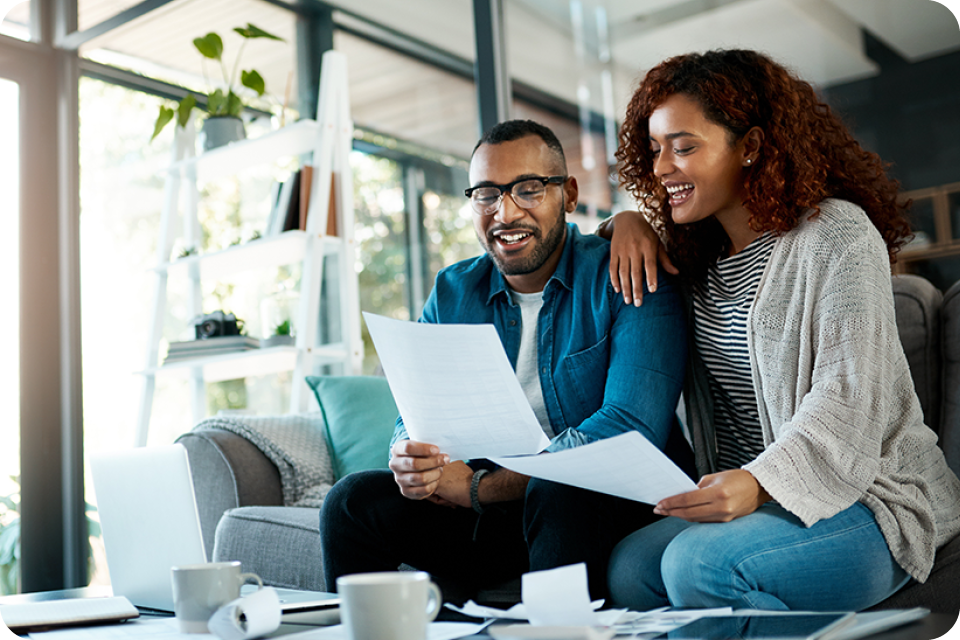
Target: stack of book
{"points": [[290, 204], [209, 347]]}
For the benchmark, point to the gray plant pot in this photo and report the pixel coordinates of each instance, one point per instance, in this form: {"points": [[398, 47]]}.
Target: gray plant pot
{"points": [[221, 130], [277, 341]]}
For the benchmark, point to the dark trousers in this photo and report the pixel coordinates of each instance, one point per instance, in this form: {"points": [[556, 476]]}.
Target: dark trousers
{"points": [[367, 525]]}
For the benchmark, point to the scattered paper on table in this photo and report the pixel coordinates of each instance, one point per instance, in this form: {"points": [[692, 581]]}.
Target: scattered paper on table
{"points": [[474, 610], [558, 597], [516, 612], [455, 388], [627, 465], [554, 597]]}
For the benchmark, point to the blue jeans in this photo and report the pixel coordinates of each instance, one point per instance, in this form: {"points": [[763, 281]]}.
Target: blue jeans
{"points": [[766, 560]]}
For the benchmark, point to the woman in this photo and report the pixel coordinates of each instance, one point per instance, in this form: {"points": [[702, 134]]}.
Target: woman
{"points": [[821, 487]]}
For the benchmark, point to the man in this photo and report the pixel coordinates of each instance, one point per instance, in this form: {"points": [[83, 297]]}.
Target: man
{"points": [[591, 366]]}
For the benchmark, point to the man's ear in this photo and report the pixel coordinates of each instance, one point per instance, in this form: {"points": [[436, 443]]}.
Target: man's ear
{"points": [[752, 144], [571, 194]]}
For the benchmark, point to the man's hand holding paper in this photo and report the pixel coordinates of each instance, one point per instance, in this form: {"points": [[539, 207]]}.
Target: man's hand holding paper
{"points": [[417, 467]]}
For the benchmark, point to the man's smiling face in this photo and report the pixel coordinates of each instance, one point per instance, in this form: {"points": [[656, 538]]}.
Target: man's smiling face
{"points": [[525, 244]]}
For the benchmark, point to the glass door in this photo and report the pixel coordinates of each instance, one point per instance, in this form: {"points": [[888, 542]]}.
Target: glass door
{"points": [[9, 337]]}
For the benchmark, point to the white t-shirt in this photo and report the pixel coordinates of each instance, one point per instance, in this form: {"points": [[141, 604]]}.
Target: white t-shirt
{"points": [[530, 304]]}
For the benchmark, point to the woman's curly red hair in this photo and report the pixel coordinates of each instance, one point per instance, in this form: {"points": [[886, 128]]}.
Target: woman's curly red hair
{"points": [[807, 154]]}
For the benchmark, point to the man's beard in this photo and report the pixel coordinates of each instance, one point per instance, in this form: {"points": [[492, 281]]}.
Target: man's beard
{"points": [[543, 250]]}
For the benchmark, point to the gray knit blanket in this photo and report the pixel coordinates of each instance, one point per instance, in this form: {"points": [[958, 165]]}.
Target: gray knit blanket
{"points": [[295, 444]]}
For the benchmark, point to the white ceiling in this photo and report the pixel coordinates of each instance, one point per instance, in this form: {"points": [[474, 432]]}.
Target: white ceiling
{"points": [[820, 39], [588, 52]]}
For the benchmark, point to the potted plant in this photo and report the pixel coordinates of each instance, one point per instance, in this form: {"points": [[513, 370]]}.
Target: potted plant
{"points": [[223, 123], [277, 312], [282, 335]]}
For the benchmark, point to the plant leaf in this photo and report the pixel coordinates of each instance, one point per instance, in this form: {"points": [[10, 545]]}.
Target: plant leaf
{"points": [[165, 116], [217, 103], [186, 106], [251, 31], [253, 80], [209, 46], [9, 537], [8, 502], [234, 106]]}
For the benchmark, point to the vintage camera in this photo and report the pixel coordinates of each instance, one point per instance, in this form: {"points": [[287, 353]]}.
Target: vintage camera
{"points": [[213, 325]]}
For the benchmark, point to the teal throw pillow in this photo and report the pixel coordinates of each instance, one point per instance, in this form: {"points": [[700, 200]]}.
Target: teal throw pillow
{"points": [[359, 415]]}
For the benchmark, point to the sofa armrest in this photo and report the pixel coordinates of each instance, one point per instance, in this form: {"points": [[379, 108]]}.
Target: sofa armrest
{"points": [[917, 304], [950, 410], [228, 472]]}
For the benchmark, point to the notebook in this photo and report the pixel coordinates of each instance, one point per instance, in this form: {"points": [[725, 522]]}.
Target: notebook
{"points": [[150, 523], [60, 613]]}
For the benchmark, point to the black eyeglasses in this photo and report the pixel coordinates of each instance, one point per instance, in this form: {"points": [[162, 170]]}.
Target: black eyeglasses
{"points": [[527, 193]]}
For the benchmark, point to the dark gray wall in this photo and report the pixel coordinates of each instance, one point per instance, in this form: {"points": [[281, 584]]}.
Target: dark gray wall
{"points": [[910, 115]]}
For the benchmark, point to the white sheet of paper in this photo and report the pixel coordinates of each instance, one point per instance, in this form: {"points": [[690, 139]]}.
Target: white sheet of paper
{"points": [[474, 610], [627, 465], [455, 388], [553, 598], [558, 597]]}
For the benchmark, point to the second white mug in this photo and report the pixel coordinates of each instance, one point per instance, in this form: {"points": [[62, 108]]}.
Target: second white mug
{"points": [[200, 589], [389, 605]]}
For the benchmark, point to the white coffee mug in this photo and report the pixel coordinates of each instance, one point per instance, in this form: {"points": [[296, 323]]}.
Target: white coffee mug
{"points": [[200, 589], [391, 605]]}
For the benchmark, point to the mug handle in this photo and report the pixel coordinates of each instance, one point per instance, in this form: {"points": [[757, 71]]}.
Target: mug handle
{"points": [[244, 577], [434, 601]]}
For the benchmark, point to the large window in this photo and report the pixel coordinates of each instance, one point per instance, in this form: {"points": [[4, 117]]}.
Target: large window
{"points": [[411, 222], [10, 330], [120, 191], [159, 45], [15, 19], [396, 95]]}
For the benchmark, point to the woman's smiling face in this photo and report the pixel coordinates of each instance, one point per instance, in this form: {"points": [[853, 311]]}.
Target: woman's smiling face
{"points": [[697, 162]]}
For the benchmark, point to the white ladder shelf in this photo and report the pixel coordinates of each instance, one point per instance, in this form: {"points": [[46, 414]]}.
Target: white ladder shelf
{"points": [[329, 137]]}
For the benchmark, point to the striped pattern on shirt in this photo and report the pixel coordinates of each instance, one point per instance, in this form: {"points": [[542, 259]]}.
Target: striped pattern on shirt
{"points": [[721, 303]]}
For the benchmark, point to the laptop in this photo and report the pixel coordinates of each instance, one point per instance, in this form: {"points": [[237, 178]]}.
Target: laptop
{"points": [[150, 523]]}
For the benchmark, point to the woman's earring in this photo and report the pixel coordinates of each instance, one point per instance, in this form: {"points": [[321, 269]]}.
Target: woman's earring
{"points": [[749, 161]]}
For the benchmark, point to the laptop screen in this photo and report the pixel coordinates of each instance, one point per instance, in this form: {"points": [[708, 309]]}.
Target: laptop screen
{"points": [[148, 516]]}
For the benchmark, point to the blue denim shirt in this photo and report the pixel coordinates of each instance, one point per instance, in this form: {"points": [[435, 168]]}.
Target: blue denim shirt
{"points": [[605, 367]]}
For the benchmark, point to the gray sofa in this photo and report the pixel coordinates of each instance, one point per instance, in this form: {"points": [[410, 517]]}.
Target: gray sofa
{"points": [[243, 518]]}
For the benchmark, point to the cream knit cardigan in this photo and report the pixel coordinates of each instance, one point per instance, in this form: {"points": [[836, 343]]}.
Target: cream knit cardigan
{"points": [[841, 420]]}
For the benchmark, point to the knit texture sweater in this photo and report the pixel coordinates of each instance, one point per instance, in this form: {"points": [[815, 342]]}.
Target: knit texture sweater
{"points": [[840, 418]]}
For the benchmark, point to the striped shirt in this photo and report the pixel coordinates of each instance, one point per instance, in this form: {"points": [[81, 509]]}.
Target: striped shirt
{"points": [[721, 303]]}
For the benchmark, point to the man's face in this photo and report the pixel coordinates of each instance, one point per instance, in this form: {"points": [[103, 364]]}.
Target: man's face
{"points": [[525, 244]]}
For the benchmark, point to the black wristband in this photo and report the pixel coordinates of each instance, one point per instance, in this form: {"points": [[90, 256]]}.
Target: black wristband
{"points": [[474, 487]]}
